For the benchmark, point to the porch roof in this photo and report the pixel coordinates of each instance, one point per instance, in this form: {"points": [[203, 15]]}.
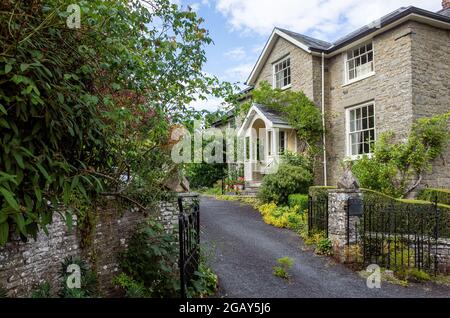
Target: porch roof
{"points": [[271, 115]]}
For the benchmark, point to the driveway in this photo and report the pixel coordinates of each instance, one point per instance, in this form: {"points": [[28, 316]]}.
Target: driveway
{"points": [[244, 250]]}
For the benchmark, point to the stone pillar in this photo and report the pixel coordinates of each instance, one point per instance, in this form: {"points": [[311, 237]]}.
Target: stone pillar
{"points": [[339, 224]]}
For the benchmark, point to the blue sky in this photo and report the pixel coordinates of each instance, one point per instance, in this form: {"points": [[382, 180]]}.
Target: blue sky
{"points": [[240, 28]]}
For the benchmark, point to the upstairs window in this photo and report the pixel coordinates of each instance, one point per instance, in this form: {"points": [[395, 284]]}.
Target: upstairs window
{"points": [[359, 62], [282, 73], [361, 130]]}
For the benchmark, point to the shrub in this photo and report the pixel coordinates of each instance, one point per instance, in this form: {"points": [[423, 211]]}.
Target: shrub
{"points": [[204, 283], [319, 192], [299, 200], [397, 168], [204, 174], [417, 275], [442, 195], [324, 247], [151, 261], [285, 264], [282, 217], [288, 180]]}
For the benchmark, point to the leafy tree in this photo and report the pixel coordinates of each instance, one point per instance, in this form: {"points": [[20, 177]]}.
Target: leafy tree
{"points": [[397, 168], [89, 110]]}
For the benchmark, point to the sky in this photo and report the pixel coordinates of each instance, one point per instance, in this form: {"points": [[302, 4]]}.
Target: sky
{"points": [[240, 28]]}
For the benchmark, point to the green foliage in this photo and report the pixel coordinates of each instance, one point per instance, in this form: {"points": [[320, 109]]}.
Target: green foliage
{"points": [[204, 283], [293, 176], [89, 282], [42, 291], [394, 165], [429, 194], [319, 192], [204, 174], [298, 110], [283, 217], [284, 265], [299, 200], [151, 261], [324, 247], [81, 109], [3, 292], [132, 288]]}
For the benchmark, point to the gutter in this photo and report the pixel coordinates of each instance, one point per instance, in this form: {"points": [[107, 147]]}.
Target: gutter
{"points": [[325, 177]]}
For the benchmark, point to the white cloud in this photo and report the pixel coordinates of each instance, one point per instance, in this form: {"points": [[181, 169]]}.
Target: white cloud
{"points": [[211, 104], [237, 53], [238, 73], [195, 6], [319, 17]]}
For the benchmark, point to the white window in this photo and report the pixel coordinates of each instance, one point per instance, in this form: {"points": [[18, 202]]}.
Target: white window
{"points": [[360, 130], [282, 142], [359, 62], [282, 74]]}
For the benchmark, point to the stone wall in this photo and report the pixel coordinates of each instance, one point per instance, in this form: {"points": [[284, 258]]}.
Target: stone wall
{"points": [[25, 265], [431, 87], [301, 67], [389, 89]]}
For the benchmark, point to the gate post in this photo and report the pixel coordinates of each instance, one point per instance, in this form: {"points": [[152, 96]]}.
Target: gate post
{"points": [[341, 226]]}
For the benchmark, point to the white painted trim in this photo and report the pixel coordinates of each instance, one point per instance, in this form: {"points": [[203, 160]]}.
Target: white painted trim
{"points": [[346, 70], [348, 156], [268, 48], [267, 122]]}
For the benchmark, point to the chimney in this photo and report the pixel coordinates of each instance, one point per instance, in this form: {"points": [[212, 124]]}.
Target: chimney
{"points": [[445, 4]]}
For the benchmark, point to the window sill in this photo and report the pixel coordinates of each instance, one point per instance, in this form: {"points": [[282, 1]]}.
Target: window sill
{"points": [[359, 79], [355, 158], [284, 88]]}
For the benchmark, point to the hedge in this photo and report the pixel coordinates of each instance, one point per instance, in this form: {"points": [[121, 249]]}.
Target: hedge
{"points": [[319, 192], [300, 200], [430, 194]]}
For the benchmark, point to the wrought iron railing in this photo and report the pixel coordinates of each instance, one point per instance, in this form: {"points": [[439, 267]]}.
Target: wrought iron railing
{"points": [[318, 215], [189, 239]]}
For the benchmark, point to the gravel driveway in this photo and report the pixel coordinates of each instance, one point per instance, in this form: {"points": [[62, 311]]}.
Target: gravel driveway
{"points": [[245, 249]]}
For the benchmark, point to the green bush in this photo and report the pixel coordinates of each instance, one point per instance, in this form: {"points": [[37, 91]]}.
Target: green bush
{"points": [[300, 200], [151, 261], [288, 180], [204, 175], [324, 247], [442, 195], [319, 192], [3, 292]]}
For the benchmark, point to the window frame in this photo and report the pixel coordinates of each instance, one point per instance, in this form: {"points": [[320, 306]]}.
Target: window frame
{"points": [[274, 74], [347, 79], [348, 144], [285, 144]]}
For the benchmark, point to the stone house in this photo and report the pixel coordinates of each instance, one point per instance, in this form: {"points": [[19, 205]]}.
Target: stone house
{"points": [[381, 77]]}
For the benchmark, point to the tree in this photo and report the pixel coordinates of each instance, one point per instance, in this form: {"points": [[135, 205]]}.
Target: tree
{"points": [[86, 112]]}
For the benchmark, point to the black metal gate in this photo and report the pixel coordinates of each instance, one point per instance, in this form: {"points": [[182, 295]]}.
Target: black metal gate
{"points": [[318, 215], [189, 239], [397, 235]]}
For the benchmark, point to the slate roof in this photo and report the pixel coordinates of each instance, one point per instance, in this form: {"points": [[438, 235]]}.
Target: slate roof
{"points": [[307, 40], [272, 115], [323, 46]]}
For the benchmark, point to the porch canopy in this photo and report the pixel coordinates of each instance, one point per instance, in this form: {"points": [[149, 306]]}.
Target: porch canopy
{"points": [[266, 136]]}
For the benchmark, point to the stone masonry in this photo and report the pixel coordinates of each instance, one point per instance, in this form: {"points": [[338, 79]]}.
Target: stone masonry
{"points": [[25, 265], [411, 80]]}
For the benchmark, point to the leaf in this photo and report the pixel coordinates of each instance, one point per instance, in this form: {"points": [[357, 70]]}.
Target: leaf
{"points": [[19, 160], [20, 221], [44, 172], [24, 67], [69, 221], [4, 233], [3, 109], [8, 68], [3, 216], [9, 197]]}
